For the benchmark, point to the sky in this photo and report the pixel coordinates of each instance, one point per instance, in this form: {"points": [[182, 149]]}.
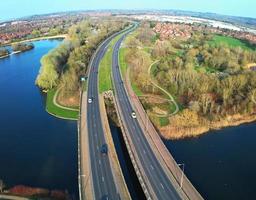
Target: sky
{"points": [[18, 8]]}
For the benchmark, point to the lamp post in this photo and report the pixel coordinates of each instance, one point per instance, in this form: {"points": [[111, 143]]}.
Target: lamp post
{"points": [[83, 80], [182, 176]]}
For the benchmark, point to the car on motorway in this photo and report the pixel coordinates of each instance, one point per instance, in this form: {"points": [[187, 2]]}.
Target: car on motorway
{"points": [[90, 100], [105, 197], [134, 115], [104, 149]]}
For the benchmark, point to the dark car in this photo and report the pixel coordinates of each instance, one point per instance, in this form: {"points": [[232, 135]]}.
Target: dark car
{"points": [[105, 197], [104, 149]]}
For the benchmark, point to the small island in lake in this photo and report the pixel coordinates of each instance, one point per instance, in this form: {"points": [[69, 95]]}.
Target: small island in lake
{"points": [[21, 47], [4, 52]]}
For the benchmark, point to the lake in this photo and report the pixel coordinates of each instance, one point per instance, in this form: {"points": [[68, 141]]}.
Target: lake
{"points": [[221, 164], [36, 149]]}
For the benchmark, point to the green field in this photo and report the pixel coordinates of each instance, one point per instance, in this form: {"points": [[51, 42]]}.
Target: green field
{"points": [[105, 68], [57, 111], [231, 42]]}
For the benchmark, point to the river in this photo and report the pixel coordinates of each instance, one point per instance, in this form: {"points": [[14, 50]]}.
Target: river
{"points": [[36, 149]]}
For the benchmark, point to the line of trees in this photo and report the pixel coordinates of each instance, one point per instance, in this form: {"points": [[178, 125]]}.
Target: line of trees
{"points": [[64, 65], [22, 47], [52, 65]]}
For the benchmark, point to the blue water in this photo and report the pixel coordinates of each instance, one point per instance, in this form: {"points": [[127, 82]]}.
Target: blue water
{"points": [[36, 149], [221, 164]]}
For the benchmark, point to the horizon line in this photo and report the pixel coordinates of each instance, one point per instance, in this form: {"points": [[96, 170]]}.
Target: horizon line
{"points": [[123, 9]]}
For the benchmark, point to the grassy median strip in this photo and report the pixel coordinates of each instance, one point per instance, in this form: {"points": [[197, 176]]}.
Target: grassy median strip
{"points": [[123, 64], [124, 67], [105, 68], [58, 111]]}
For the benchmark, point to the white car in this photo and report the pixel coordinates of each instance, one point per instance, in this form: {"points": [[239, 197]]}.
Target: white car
{"points": [[90, 100], [134, 115]]}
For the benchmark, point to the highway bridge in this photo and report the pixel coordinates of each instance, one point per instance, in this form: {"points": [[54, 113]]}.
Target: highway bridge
{"points": [[98, 175], [155, 177]]}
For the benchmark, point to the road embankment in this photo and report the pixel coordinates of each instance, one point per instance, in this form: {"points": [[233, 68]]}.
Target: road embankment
{"points": [[84, 167]]}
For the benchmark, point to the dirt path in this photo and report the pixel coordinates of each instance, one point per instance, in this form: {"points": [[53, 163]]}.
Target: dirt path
{"points": [[162, 89], [58, 105]]}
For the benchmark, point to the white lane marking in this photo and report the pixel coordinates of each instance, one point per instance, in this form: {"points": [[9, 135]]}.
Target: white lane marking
{"points": [[99, 162], [97, 147], [144, 151], [102, 178], [152, 168], [162, 185]]}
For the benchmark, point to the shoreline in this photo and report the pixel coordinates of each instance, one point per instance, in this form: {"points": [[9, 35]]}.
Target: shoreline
{"points": [[59, 112], [61, 36], [177, 133], [5, 56], [16, 52]]}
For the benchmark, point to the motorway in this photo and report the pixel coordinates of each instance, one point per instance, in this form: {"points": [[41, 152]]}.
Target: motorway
{"points": [[159, 181], [101, 174]]}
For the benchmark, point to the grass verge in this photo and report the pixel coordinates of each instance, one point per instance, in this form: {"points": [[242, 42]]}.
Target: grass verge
{"points": [[136, 89], [123, 64], [105, 68], [56, 111]]}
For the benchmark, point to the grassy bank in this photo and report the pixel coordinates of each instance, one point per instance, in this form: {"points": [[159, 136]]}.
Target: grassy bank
{"points": [[57, 111], [105, 68]]}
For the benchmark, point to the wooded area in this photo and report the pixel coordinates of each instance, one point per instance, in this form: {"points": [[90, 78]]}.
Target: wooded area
{"points": [[64, 66], [22, 47], [209, 80]]}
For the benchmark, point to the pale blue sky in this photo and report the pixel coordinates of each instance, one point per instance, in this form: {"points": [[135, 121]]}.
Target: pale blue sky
{"points": [[18, 8]]}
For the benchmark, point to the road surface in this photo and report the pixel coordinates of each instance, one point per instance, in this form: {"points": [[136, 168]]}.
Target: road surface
{"points": [[158, 179], [101, 174]]}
